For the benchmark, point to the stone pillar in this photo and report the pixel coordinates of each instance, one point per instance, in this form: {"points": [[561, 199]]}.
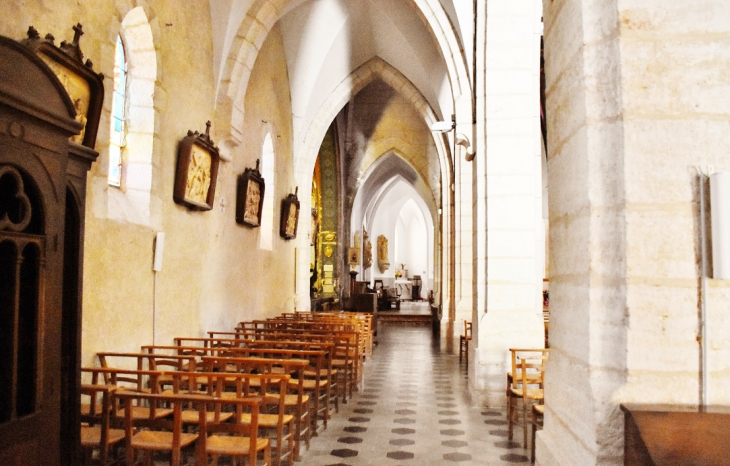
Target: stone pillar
{"points": [[587, 234], [464, 242], [636, 101], [511, 173]]}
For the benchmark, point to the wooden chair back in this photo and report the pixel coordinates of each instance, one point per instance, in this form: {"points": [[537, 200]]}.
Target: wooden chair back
{"points": [[167, 434], [95, 417]]}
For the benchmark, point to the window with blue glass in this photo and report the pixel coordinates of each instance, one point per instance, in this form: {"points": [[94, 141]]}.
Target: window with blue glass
{"points": [[116, 138]]}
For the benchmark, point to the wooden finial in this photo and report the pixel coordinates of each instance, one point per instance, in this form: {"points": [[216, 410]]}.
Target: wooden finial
{"points": [[33, 33], [207, 128], [78, 32]]}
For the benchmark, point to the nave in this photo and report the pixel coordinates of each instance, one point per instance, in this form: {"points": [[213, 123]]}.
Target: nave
{"points": [[415, 408]]}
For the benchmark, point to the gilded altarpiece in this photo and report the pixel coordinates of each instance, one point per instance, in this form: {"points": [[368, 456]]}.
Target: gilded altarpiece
{"points": [[325, 202]]}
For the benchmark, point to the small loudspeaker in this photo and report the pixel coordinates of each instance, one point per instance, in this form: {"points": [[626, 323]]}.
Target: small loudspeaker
{"points": [[159, 247]]}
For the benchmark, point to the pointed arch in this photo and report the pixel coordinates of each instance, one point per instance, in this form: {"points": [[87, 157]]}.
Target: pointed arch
{"points": [[238, 55]]}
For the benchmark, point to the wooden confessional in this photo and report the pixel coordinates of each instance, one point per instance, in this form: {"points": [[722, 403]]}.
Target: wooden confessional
{"points": [[42, 199]]}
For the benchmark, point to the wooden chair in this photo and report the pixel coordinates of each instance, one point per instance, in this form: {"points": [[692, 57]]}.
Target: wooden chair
{"points": [[538, 410], [159, 434], [273, 421], [96, 432], [464, 340], [527, 389], [214, 437], [236, 439], [317, 387], [515, 355], [131, 380], [296, 403]]}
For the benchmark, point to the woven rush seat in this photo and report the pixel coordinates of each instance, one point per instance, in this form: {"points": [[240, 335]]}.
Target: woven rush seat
{"points": [[322, 372], [190, 416], [536, 394], [86, 409], [293, 399], [232, 446], [266, 420], [143, 412], [157, 440], [310, 384], [92, 439], [91, 436]]}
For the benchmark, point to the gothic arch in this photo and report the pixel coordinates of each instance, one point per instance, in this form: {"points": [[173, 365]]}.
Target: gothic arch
{"points": [[258, 22], [376, 68]]}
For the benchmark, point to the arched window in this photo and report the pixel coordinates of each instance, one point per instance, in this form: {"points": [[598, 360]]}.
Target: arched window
{"points": [[267, 215], [132, 124], [118, 116]]}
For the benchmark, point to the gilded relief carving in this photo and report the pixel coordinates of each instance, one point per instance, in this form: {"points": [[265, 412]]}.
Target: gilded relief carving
{"points": [[367, 252], [198, 180], [77, 88], [253, 197], [383, 263]]}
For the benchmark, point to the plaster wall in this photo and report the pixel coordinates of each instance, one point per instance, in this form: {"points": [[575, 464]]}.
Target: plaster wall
{"points": [[513, 315], [213, 273], [633, 108], [402, 217]]}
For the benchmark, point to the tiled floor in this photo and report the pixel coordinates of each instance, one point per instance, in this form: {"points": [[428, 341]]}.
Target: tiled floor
{"points": [[414, 408]]}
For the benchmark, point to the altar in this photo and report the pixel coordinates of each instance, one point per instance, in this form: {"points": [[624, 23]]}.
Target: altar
{"points": [[404, 288]]}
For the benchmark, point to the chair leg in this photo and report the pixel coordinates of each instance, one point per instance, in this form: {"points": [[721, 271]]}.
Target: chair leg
{"points": [[524, 423], [510, 420], [534, 431]]}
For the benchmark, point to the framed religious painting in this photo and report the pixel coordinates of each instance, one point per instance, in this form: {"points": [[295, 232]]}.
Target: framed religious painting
{"points": [[250, 197], [353, 256], [197, 171], [82, 84], [289, 216]]}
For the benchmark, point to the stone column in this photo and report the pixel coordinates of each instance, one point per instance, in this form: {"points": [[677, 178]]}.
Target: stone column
{"points": [[511, 173], [636, 101]]}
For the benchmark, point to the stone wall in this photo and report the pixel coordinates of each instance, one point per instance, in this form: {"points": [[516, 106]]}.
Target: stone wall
{"points": [[213, 273]]}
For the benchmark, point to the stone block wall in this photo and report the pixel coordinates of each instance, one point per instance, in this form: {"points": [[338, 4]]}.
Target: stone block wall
{"points": [[509, 310], [633, 109], [213, 273]]}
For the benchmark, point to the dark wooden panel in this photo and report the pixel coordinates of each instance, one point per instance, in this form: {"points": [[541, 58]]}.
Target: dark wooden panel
{"points": [[676, 435]]}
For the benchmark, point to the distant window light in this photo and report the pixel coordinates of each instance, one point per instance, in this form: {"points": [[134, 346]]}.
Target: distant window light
{"points": [[116, 139], [267, 214]]}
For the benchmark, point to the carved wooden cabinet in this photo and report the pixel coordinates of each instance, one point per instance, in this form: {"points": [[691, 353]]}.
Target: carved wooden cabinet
{"points": [[42, 197]]}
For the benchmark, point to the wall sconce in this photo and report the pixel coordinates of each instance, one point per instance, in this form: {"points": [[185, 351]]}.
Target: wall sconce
{"points": [[443, 126], [460, 139]]}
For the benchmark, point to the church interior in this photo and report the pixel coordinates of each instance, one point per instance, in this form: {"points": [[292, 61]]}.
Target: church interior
{"points": [[540, 175]]}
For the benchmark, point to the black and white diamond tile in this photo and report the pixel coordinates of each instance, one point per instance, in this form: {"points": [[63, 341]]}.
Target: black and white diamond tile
{"points": [[414, 408]]}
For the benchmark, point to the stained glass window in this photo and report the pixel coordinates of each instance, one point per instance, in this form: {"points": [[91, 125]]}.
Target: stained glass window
{"points": [[116, 138]]}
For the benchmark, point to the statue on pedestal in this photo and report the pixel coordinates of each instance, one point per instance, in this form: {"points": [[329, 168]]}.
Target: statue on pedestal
{"points": [[367, 252], [383, 263]]}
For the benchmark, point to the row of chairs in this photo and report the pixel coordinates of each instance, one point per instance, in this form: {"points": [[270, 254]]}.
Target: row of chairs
{"points": [[176, 419], [315, 371]]}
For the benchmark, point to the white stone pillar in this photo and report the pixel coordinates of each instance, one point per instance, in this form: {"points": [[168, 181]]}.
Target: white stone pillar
{"points": [[511, 173], [464, 242]]}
